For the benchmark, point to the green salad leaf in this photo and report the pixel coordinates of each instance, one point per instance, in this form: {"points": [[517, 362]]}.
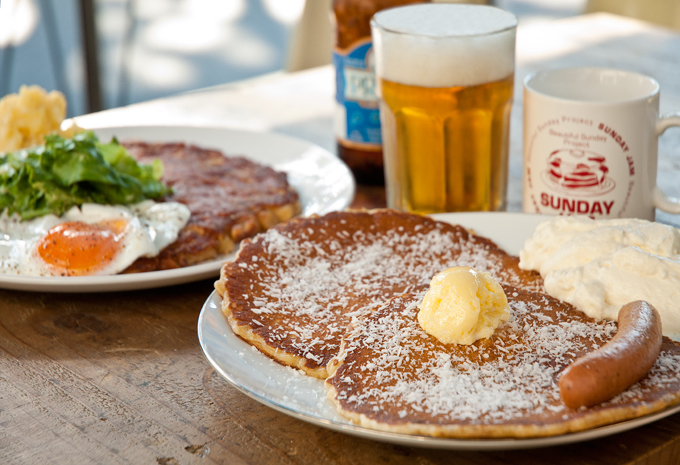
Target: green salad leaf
{"points": [[68, 172]]}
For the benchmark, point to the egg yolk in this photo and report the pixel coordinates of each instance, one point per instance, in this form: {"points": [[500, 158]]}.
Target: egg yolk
{"points": [[76, 248]]}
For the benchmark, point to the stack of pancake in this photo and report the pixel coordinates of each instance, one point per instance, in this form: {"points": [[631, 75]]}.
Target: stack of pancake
{"points": [[337, 295]]}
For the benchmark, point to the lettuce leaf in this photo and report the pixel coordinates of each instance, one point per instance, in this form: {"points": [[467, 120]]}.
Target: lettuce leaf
{"points": [[68, 172]]}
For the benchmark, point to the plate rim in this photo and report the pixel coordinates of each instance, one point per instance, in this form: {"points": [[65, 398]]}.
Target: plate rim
{"points": [[471, 444], [163, 278]]}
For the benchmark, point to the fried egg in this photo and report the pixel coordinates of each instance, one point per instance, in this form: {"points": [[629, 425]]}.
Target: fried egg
{"points": [[90, 240]]}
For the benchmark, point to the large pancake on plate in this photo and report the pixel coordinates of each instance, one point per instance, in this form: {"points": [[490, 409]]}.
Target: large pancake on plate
{"points": [[293, 290], [390, 375]]}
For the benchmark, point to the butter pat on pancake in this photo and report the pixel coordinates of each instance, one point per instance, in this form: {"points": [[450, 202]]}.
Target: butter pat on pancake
{"points": [[390, 375], [462, 305], [293, 290]]}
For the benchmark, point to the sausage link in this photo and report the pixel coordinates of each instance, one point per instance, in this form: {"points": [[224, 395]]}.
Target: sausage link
{"points": [[601, 375]]}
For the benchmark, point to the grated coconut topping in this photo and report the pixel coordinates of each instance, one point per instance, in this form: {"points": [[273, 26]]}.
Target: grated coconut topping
{"points": [[401, 370], [311, 288]]}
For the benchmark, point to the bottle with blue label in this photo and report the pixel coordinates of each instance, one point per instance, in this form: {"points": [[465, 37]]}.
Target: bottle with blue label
{"points": [[357, 117]]}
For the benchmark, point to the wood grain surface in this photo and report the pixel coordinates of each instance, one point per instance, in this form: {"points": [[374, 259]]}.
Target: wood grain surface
{"points": [[121, 378]]}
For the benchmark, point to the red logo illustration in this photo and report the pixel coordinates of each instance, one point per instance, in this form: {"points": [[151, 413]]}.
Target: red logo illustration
{"points": [[578, 172]]}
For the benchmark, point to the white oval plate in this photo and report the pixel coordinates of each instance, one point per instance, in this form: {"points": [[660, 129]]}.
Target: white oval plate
{"points": [[323, 182], [300, 396]]}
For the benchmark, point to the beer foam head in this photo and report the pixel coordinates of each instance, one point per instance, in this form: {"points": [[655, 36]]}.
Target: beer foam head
{"points": [[444, 45]]}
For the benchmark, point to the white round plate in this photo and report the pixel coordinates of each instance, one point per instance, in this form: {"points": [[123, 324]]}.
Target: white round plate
{"points": [[300, 396], [323, 182]]}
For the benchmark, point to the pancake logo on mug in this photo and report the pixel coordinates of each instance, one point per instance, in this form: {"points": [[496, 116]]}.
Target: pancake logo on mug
{"points": [[574, 171], [578, 166]]}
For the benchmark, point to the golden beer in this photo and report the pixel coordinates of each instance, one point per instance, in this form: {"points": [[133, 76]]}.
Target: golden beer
{"points": [[448, 146], [445, 84]]}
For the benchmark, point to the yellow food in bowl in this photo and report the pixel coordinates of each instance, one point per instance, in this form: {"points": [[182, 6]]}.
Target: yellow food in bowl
{"points": [[27, 117]]}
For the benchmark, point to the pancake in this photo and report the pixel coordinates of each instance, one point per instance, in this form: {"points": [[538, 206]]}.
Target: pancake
{"points": [[230, 199], [390, 375], [292, 291]]}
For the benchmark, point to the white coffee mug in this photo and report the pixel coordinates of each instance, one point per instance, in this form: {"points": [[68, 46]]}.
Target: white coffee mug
{"points": [[590, 144]]}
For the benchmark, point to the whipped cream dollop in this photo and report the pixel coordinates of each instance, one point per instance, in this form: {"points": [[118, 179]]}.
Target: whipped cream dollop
{"points": [[463, 305], [600, 265]]}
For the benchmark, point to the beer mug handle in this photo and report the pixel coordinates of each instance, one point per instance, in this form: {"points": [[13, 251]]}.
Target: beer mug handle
{"points": [[661, 200]]}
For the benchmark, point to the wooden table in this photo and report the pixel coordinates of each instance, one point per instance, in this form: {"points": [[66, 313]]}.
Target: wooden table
{"points": [[120, 377]]}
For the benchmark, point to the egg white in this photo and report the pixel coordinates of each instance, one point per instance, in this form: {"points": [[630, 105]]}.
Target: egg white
{"points": [[150, 228]]}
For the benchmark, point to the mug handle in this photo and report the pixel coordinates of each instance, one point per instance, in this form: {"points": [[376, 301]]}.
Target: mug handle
{"points": [[661, 200]]}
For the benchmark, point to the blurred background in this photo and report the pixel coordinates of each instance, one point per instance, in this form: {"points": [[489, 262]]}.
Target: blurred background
{"points": [[139, 50]]}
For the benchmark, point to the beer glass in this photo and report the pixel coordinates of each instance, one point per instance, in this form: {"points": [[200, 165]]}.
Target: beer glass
{"points": [[445, 75]]}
